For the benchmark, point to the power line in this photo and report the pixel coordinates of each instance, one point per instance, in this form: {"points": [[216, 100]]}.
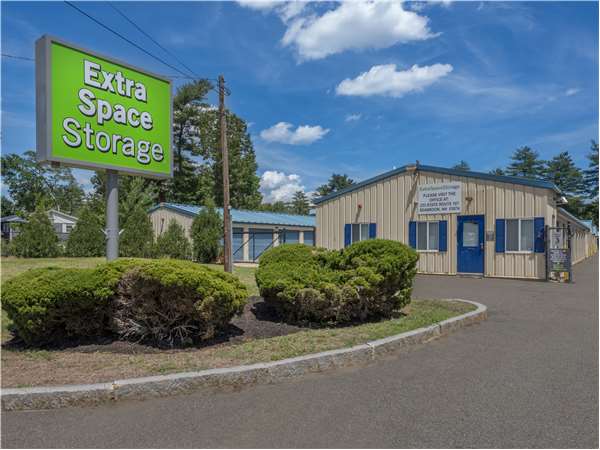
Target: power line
{"points": [[116, 33], [25, 58], [140, 29]]}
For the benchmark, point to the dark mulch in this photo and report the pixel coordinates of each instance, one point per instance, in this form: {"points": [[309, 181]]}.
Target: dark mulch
{"points": [[257, 321]]}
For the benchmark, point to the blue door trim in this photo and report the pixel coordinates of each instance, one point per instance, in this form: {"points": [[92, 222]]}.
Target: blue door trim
{"points": [[470, 259]]}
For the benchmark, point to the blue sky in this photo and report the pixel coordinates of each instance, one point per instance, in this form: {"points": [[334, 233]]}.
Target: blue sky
{"points": [[354, 88]]}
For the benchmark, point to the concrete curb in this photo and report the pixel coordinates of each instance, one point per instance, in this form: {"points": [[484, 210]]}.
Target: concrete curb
{"points": [[186, 382]]}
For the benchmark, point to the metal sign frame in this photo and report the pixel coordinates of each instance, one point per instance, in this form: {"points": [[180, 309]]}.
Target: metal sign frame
{"points": [[43, 69]]}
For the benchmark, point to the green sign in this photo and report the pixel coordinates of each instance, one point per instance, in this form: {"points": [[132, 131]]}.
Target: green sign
{"points": [[97, 113]]}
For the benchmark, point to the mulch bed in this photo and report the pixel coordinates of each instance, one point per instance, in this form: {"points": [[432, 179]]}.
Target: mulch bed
{"points": [[257, 321]]}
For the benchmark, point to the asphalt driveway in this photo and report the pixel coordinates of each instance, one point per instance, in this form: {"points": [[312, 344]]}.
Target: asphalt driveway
{"points": [[527, 377]]}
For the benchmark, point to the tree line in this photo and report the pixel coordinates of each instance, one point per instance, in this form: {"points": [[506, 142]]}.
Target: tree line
{"points": [[34, 188]]}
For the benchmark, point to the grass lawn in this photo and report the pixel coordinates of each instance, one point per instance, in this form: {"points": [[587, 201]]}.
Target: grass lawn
{"points": [[42, 367]]}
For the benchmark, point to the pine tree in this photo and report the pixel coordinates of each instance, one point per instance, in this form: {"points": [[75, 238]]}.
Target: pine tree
{"points": [[498, 171], [336, 183], [525, 163], [173, 243], [462, 165], [87, 238], [562, 171], [207, 231], [37, 238], [591, 173], [300, 204], [137, 239]]}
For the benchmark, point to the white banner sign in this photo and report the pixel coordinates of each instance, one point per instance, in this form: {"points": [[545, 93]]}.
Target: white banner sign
{"points": [[444, 198]]}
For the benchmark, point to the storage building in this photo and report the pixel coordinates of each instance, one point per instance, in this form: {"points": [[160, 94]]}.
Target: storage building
{"points": [[459, 221], [253, 231]]}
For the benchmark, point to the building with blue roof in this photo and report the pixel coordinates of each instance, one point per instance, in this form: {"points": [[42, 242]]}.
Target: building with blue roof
{"points": [[253, 231], [460, 222]]}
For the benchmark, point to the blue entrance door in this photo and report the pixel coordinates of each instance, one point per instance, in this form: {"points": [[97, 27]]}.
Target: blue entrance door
{"points": [[470, 236]]}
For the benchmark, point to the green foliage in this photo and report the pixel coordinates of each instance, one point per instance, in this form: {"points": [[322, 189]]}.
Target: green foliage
{"points": [[173, 243], [169, 302], [368, 280], [7, 207], [525, 163], [37, 238], [300, 204], [562, 171], [336, 183], [498, 171], [462, 165], [137, 239], [30, 182], [166, 302], [196, 132], [51, 305], [207, 231], [591, 173], [87, 238]]}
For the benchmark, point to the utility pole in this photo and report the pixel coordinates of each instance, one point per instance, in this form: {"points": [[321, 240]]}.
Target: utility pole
{"points": [[227, 253]]}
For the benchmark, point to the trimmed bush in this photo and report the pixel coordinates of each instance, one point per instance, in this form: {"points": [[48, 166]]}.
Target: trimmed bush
{"points": [[173, 243], [51, 305], [171, 302], [366, 281], [37, 238], [207, 231], [87, 238], [164, 302]]}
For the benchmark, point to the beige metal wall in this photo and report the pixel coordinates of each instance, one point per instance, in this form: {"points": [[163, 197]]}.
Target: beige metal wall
{"points": [[391, 204], [583, 243], [161, 217]]}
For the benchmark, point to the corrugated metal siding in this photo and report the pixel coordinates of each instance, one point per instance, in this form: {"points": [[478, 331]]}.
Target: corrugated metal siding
{"points": [[391, 204]]}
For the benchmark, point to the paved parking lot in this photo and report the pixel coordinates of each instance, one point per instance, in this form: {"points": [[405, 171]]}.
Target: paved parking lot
{"points": [[527, 377]]}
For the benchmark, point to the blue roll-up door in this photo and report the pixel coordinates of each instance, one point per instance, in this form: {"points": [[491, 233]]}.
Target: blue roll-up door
{"points": [[260, 240], [309, 238], [291, 237], [238, 241]]}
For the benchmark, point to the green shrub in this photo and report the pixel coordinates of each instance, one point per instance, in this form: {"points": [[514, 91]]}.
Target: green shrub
{"points": [[37, 238], [137, 239], [51, 305], [207, 231], [165, 302], [87, 238], [173, 243], [171, 302], [368, 280]]}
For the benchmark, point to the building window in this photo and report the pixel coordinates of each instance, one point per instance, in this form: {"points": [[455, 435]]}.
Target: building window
{"points": [[69, 227], [360, 232], [428, 236], [519, 235]]}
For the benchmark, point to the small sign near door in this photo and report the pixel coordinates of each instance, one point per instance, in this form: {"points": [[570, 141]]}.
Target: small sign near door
{"points": [[444, 198]]}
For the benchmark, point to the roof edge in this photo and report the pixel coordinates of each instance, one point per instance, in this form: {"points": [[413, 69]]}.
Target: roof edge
{"points": [[574, 218], [455, 172]]}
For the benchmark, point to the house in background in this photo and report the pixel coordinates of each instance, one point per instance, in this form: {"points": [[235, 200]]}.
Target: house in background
{"points": [[63, 225], [253, 231]]}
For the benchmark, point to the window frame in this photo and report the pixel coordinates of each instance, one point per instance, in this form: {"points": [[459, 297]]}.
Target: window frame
{"points": [[427, 250], [360, 231], [519, 234]]}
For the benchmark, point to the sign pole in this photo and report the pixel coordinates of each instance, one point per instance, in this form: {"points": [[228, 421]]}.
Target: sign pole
{"points": [[112, 215], [227, 253]]}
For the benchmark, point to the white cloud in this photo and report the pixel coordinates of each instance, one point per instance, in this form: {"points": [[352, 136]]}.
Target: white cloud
{"points": [[276, 186], [571, 91], [356, 25], [284, 133], [353, 117], [285, 10], [259, 5], [386, 80]]}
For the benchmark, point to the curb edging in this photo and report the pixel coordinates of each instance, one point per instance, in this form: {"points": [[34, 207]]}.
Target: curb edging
{"points": [[185, 382]]}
